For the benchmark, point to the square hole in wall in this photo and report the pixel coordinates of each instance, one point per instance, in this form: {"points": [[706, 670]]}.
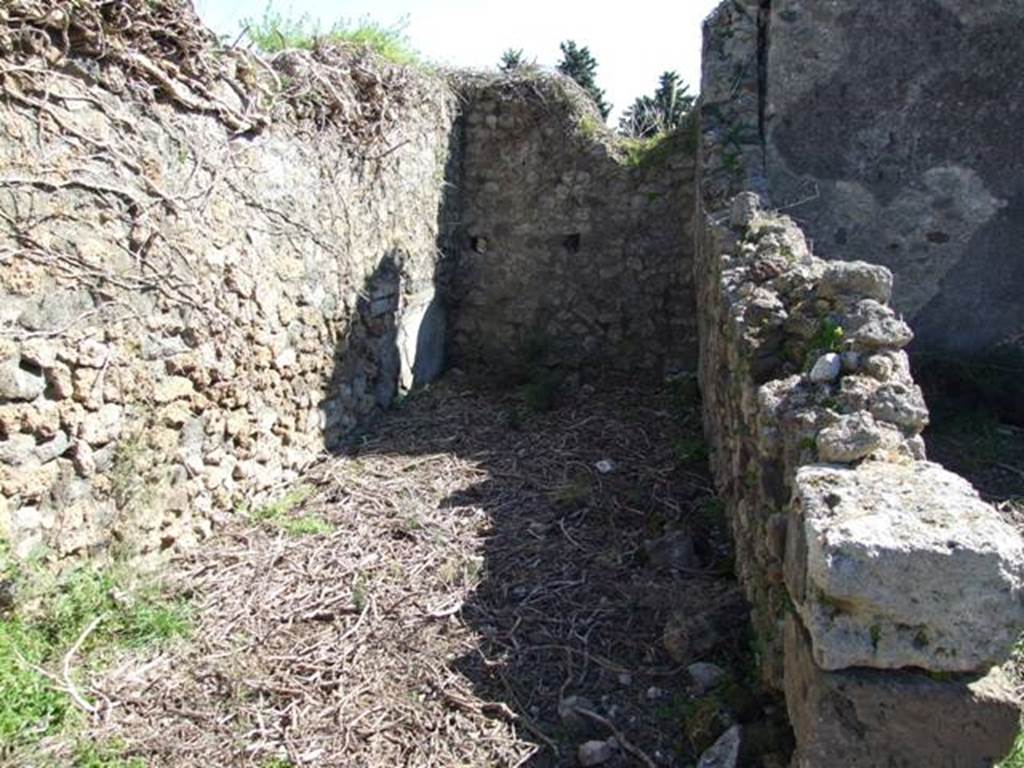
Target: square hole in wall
{"points": [[571, 243], [478, 243]]}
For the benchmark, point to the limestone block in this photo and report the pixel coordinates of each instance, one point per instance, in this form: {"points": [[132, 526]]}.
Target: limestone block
{"points": [[16, 383], [725, 752], [173, 388], [871, 719], [93, 353], [55, 309], [898, 565], [18, 450], [40, 352], [87, 387], [856, 278], [874, 326], [61, 381], [826, 368], [852, 437], [52, 448], [41, 418], [901, 404], [29, 483], [102, 426], [744, 209]]}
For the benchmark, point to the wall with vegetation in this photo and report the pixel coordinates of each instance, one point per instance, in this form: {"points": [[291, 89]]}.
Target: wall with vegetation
{"points": [[575, 248], [884, 592], [207, 276], [216, 266]]}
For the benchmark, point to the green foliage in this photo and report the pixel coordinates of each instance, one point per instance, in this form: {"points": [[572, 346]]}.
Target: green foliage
{"points": [[512, 59], [278, 509], [307, 525], [581, 66], [1016, 757], [645, 152], [665, 112], [30, 707], [108, 755], [55, 616], [876, 635], [279, 515], [828, 338], [275, 32], [590, 128]]}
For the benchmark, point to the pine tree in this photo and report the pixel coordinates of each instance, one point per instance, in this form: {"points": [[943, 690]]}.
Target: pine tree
{"points": [[663, 112], [581, 66], [512, 59]]}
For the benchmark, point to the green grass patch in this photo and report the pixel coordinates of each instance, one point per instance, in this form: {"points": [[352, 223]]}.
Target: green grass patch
{"points": [[827, 338], [275, 32], [107, 755], [279, 514], [52, 616], [1016, 757], [281, 507], [591, 127], [307, 525], [655, 150]]}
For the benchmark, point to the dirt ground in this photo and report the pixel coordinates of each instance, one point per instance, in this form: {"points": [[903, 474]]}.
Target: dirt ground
{"points": [[473, 584], [480, 582]]}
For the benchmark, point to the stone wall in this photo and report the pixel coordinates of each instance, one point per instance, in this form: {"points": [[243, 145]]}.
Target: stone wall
{"points": [[190, 312], [892, 135], [574, 248], [214, 267], [884, 591]]}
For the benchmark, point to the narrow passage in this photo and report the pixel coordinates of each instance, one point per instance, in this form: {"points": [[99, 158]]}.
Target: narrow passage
{"points": [[476, 583]]}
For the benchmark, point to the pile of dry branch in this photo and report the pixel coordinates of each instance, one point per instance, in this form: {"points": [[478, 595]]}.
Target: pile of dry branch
{"points": [[464, 576], [160, 50]]}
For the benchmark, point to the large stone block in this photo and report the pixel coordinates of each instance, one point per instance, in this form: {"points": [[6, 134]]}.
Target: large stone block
{"points": [[874, 719], [421, 340], [902, 565]]}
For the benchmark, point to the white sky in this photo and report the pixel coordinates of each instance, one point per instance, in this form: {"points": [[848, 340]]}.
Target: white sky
{"points": [[633, 44]]}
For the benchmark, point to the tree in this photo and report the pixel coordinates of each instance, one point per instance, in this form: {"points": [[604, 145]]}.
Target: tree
{"points": [[663, 112], [512, 59], [581, 66]]}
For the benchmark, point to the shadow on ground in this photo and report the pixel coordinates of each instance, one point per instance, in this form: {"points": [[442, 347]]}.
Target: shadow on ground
{"points": [[473, 583], [601, 529]]}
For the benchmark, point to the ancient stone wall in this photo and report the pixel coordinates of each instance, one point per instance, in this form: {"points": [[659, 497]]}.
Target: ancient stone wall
{"points": [[215, 267], [884, 591], [191, 312], [575, 249], [891, 133]]}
